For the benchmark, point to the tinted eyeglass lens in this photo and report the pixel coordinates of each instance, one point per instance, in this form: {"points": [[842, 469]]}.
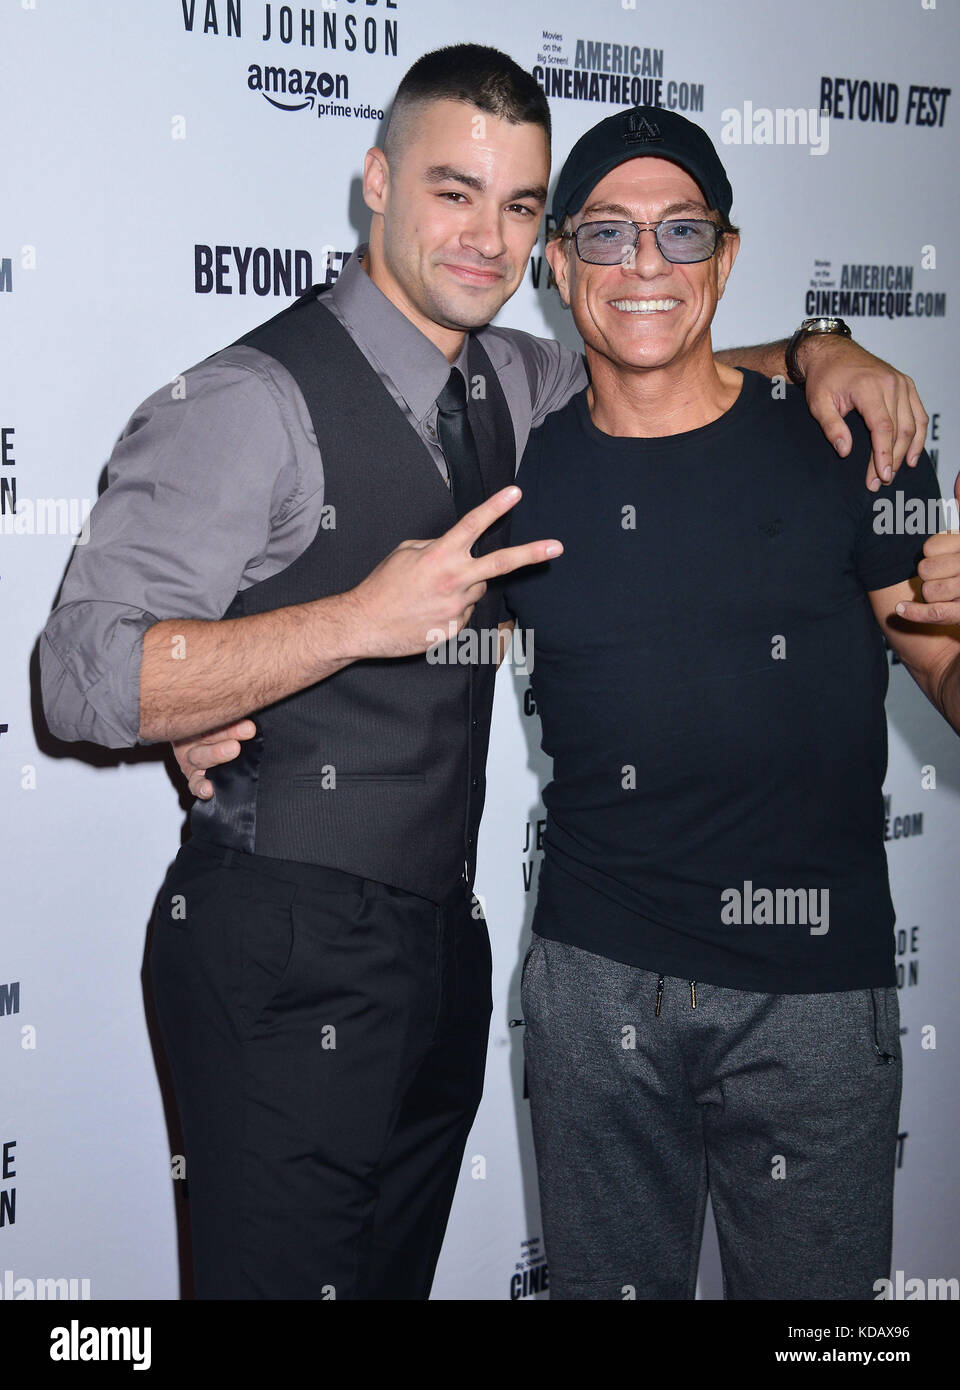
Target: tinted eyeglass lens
{"points": [[686, 240], [680, 239], [606, 243]]}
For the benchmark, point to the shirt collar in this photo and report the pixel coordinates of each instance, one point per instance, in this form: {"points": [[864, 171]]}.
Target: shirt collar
{"points": [[416, 367]]}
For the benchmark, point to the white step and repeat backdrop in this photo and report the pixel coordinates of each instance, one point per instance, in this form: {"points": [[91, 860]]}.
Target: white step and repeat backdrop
{"points": [[146, 141]]}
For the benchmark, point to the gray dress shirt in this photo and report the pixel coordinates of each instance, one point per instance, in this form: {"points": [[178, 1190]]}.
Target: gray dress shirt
{"points": [[217, 483]]}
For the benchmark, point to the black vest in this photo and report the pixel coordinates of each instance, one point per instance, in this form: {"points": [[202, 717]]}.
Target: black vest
{"points": [[379, 769]]}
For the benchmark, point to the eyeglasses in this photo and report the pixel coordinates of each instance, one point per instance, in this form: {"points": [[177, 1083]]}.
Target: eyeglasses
{"points": [[680, 239]]}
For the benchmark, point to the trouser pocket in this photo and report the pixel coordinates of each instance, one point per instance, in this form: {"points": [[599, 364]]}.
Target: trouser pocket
{"points": [[885, 1007], [526, 961]]}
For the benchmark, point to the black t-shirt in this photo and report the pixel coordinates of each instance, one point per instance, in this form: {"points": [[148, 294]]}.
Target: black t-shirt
{"points": [[710, 679]]}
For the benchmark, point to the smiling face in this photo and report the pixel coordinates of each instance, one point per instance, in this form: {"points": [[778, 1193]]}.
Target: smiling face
{"points": [[456, 215], [647, 313]]}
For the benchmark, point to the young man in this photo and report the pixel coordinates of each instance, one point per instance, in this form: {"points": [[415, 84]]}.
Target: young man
{"points": [[321, 974], [710, 995]]}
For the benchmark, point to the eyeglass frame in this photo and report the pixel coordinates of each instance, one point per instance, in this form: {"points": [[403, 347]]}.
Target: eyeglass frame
{"points": [[645, 227]]}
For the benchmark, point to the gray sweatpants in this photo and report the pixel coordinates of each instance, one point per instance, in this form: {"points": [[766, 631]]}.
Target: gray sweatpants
{"points": [[783, 1106]]}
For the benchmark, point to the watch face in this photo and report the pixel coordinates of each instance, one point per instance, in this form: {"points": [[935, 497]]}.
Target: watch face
{"points": [[826, 325]]}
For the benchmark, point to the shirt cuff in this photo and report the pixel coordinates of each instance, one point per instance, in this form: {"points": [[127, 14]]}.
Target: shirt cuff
{"points": [[91, 690]]}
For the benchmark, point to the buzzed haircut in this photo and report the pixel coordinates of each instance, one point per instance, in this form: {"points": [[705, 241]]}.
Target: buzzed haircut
{"points": [[471, 73]]}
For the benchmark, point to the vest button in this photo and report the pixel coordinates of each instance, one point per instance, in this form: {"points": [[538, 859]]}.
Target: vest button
{"points": [[475, 723], [475, 783]]}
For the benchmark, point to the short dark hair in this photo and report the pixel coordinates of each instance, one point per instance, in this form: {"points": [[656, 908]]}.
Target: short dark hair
{"points": [[474, 74]]}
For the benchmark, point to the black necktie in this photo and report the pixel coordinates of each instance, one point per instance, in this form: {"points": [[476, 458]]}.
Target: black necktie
{"points": [[458, 445]]}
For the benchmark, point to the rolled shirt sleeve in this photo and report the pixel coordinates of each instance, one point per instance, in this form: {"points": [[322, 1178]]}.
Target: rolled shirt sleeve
{"points": [[208, 490]]}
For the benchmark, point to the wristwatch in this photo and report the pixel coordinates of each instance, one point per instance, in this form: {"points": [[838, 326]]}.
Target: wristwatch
{"points": [[808, 329]]}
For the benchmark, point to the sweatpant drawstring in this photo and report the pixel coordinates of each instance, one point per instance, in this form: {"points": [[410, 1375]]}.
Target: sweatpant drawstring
{"points": [[693, 995]]}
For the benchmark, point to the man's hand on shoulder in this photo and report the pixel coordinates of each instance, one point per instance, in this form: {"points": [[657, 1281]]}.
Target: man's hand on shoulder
{"points": [[926, 635], [841, 376], [196, 754], [939, 573]]}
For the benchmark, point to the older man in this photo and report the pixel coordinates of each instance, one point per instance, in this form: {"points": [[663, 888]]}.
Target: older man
{"points": [[709, 994]]}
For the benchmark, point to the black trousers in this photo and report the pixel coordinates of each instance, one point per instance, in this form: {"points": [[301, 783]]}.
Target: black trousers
{"points": [[327, 1037]]}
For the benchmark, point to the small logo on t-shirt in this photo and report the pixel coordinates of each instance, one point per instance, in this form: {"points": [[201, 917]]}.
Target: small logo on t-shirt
{"points": [[771, 528]]}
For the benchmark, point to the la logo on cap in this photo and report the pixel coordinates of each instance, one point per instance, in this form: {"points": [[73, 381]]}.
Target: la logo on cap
{"points": [[639, 131]]}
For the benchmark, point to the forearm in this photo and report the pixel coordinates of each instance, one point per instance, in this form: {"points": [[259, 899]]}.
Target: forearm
{"points": [[766, 358], [197, 675], [946, 695]]}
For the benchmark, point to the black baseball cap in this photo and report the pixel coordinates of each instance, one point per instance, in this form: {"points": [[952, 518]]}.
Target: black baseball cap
{"points": [[632, 134]]}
